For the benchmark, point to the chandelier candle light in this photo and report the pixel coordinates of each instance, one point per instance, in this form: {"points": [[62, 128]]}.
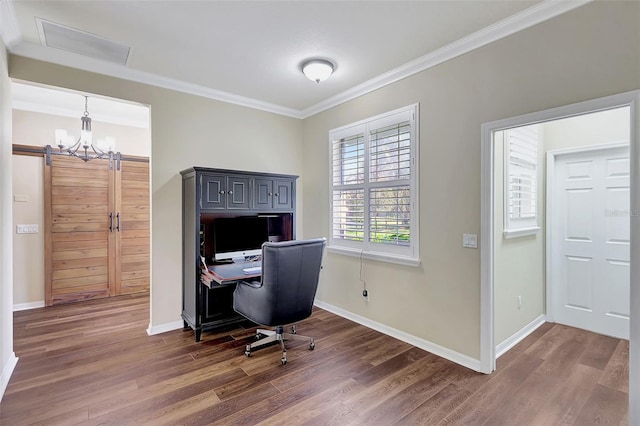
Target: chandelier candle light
{"points": [[103, 148]]}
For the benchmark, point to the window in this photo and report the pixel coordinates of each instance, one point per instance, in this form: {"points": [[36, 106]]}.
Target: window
{"points": [[521, 181], [374, 187]]}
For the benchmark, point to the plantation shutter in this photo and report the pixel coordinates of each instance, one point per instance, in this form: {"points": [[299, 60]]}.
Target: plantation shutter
{"points": [[390, 166], [374, 193], [521, 177], [348, 190]]}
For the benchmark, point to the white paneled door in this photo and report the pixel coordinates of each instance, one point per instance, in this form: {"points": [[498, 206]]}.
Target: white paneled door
{"points": [[590, 241]]}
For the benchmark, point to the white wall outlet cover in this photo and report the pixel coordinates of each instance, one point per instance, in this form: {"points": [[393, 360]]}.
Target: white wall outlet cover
{"points": [[22, 198]]}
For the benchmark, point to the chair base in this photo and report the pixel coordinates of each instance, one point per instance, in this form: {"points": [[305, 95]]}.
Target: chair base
{"points": [[277, 335]]}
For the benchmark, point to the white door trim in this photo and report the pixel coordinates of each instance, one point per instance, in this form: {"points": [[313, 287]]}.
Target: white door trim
{"points": [[549, 200], [487, 344]]}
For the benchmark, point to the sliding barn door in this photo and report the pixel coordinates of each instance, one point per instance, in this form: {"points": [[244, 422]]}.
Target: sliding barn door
{"points": [[133, 267], [96, 228], [77, 237]]}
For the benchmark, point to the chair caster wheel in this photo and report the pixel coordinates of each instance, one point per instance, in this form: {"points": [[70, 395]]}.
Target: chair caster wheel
{"points": [[283, 360], [293, 329], [247, 351], [312, 346]]}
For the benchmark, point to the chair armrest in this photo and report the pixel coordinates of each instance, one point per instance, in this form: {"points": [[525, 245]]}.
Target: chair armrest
{"points": [[253, 284]]}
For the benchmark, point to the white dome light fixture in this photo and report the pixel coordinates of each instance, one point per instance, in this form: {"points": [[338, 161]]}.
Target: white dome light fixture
{"points": [[317, 69]]}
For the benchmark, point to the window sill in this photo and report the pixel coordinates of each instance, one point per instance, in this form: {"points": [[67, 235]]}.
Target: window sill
{"points": [[382, 257], [522, 232]]}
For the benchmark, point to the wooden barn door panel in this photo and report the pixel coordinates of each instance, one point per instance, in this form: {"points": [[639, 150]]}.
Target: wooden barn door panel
{"points": [[77, 200], [133, 268]]}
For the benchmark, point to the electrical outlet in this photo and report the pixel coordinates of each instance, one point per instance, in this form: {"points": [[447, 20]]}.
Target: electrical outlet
{"points": [[519, 302], [365, 295]]}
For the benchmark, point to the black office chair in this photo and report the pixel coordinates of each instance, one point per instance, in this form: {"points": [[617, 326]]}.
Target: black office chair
{"points": [[290, 273]]}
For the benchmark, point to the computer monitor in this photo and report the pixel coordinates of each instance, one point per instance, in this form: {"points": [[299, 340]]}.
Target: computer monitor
{"points": [[239, 237]]}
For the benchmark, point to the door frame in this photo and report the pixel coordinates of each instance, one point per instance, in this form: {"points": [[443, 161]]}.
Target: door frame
{"points": [[550, 247], [487, 152]]}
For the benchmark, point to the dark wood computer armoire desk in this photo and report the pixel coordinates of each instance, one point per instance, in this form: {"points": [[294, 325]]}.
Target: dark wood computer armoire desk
{"points": [[209, 194]]}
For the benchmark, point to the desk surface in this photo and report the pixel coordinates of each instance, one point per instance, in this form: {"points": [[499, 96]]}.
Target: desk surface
{"points": [[232, 272]]}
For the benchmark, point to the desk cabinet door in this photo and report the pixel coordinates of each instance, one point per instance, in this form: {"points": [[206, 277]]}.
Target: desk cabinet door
{"points": [[273, 194], [221, 192], [238, 193], [263, 194], [218, 303], [283, 195], [213, 194]]}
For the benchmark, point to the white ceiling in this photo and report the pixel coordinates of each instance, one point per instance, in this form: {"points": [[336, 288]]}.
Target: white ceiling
{"points": [[249, 52]]}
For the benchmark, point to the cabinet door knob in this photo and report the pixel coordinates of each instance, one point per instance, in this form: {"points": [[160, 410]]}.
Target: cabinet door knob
{"points": [[230, 192], [270, 194], [276, 194], [221, 192]]}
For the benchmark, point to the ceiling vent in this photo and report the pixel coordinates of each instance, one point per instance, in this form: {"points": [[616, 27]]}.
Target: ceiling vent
{"points": [[82, 43]]}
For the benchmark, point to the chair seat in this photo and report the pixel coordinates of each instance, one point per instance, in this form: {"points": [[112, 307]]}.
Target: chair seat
{"points": [[285, 294]]}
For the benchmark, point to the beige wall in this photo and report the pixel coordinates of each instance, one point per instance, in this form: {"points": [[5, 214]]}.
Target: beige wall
{"points": [[186, 131], [587, 53], [518, 262], [28, 249], [7, 357], [37, 129]]}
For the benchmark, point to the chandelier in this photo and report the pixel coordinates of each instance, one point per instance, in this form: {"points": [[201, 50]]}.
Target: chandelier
{"points": [[83, 147]]}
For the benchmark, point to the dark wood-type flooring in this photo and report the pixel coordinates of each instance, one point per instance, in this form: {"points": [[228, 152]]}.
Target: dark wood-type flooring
{"points": [[93, 363]]}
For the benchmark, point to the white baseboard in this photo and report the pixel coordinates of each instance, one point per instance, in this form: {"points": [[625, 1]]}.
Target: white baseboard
{"points": [[163, 328], [7, 371], [457, 357], [519, 335], [28, 305]]}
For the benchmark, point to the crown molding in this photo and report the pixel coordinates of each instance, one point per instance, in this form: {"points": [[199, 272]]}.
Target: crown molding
{"points": [[534, 15], [529, 17], [72, 60]]}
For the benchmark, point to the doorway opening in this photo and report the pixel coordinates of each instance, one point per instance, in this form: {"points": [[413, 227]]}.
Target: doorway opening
{"points": [[561, 241], [87, 222], [630, 102]]}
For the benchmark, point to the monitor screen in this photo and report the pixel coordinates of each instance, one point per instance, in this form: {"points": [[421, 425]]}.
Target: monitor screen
{"points": [[239, 237]]}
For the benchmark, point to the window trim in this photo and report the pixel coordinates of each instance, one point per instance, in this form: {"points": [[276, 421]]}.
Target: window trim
{"points": [[404, 255]]}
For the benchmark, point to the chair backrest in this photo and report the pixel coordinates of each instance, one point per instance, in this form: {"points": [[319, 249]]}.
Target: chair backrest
{"points": [[290, 274]]}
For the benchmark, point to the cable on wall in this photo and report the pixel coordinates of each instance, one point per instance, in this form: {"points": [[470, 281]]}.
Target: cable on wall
{"points": [[365, 293]]}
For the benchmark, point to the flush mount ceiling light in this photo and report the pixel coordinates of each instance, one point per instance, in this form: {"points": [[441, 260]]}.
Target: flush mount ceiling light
{"points": [[317, 69]]}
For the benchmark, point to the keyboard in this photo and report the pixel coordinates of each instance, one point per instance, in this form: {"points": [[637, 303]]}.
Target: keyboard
{"points": [[252, 270]]}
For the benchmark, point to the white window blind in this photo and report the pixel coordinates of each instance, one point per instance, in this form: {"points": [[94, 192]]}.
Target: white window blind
{"points": [[521, 179], [374, 186]]}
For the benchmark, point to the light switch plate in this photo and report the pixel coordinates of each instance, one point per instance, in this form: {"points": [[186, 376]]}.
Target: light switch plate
{"points": [[26, 229], [470, 240], [20, 198]]}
